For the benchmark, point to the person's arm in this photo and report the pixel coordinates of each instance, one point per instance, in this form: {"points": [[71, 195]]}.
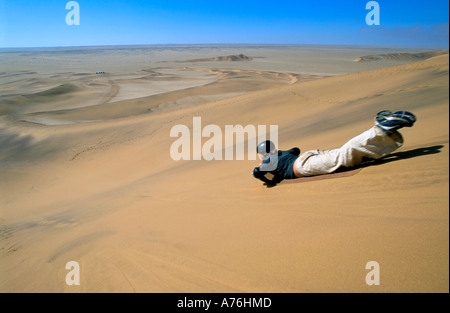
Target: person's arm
{"points": [[262, 176], [294, 151], [276, 179]]}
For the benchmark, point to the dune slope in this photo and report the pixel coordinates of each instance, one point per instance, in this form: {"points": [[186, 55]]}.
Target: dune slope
{"points": [[108, 195]]}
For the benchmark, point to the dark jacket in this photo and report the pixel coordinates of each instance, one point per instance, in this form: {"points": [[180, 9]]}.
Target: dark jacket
{"points": [[280, 165]]}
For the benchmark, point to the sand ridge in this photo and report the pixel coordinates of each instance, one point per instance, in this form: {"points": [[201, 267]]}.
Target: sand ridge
{"points": [[405, 56]]}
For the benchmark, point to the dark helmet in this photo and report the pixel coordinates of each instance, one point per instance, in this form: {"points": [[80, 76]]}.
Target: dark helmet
{"points": [[266, 147]]}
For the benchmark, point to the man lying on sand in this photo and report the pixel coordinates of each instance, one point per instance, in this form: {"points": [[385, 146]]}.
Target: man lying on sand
{"points": [[378, 141]]}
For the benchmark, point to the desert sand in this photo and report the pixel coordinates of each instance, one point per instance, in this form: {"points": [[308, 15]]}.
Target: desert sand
{"points": [[86, 174]]}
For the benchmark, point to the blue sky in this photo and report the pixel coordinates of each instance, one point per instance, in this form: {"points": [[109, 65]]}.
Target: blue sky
{"points": [[42, 23]]}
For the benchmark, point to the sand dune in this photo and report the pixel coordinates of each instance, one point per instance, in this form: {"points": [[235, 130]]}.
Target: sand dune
{"points": [[150, 90], [227, 58], [405, 56], [107, 194]]}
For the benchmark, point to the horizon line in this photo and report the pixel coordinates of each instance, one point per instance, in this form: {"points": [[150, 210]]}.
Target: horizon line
{"points": [[224, 44]]}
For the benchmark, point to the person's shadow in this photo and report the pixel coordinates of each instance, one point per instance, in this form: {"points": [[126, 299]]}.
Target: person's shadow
{"points": [[403, 155]]}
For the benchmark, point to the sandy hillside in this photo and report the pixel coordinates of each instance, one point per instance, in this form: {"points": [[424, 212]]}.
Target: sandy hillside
{"points": [[108, 195], [403, 56]]}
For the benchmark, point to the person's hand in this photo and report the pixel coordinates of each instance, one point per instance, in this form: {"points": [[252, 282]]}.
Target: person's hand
{"points": [[270, 185]]}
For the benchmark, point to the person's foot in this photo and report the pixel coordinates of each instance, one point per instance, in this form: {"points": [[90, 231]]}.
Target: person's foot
{"points": [[388, 121]]}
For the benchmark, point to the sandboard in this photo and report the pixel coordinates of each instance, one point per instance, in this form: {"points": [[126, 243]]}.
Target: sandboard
{"points": [[321, 177]]}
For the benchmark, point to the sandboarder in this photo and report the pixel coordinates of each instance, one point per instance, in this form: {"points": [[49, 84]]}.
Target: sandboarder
{"points": [[380, 140]]}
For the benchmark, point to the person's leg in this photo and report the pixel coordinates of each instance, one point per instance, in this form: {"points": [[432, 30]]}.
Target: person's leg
{"points": [[373, 143]]}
